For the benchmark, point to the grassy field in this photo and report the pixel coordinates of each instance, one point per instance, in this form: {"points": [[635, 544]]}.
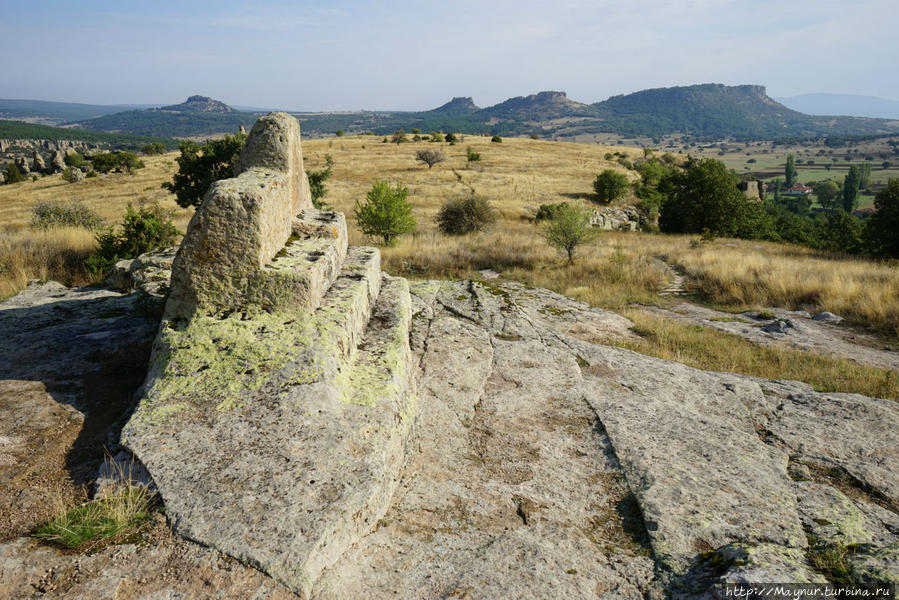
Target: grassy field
{"points": [[516, 176]]}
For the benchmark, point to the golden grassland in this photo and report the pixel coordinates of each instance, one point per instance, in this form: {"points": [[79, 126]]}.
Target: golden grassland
{"points": [[516, 176], [713, 350]]}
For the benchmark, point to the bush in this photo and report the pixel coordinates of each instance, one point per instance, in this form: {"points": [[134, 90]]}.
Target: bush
{"points": [[385, 213], [317, 181], [201, 165], [339, 133], [116, 161], [154, 148], [571, 227], [436, 136], [430, 157], [69, 176], [13, 174], [471, 155], [465, 215], [90, 174], [74, 160], [548, 212], [143, 230], [496, 139], [399, 137], [610, 185], [51, 214], [451, 138]]}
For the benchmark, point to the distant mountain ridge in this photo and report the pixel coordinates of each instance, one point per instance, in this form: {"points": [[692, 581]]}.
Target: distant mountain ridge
{"points": [[706, 110], [843, 104]]}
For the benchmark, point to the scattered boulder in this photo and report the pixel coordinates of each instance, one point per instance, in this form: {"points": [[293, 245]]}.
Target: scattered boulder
{"points": [[610, 218], [828, 317], [782, 326], [57, 162], [38, 164]]}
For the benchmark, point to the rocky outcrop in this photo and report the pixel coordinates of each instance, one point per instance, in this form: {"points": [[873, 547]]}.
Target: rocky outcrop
{"points": [[383, 439], [57, 162], [37, 162], [612, 218]]}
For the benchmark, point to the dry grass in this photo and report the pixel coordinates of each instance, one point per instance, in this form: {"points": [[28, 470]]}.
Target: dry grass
{"points": [[56, 254], [516, 177], [712, 350]]}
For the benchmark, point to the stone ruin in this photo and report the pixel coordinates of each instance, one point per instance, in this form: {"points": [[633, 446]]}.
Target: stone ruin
{"points": [[270, 433]]}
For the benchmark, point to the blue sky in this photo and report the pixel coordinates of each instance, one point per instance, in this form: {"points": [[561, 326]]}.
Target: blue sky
{"points": [[351, 54]]}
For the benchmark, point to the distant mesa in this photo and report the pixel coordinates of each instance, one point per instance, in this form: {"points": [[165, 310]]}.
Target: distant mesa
{"points": [[200, 104], [460, 105]]}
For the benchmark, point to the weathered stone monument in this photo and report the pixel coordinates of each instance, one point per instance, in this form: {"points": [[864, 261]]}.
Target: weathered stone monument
{"points": [[270, 433]]}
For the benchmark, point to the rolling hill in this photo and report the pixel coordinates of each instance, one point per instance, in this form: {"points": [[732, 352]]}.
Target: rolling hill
{"points": [[54, 113]]}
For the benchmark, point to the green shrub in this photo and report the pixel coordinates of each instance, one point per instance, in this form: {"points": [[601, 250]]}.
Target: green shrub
{"points": [[143, 230], [317, 181], [116, 161], [496, 139], [610, 185], [471, 155], [90, 174], [398, 137], [13, 174], [74, 160], [53, 213], [436, 136], [154, 148], [339, 133], [548, 212], [201, 165], [68, 175], [571, 227], [385, 213], [465, 215], [451, 138]]}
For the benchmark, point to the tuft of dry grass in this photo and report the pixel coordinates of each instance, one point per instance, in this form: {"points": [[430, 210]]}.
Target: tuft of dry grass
{"points": [[713, 350], [56, 254]]}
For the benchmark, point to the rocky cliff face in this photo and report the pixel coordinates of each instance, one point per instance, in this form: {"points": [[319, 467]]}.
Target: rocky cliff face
{"points": [[353, 435]]}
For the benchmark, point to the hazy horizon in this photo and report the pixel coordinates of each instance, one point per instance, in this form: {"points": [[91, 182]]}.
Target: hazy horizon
{"points": [[351, 55]]}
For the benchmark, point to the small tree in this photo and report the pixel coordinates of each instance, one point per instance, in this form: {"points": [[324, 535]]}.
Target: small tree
{"points": [[142, 230], [436, 136], [850, 189], [610, 185], [153, 148], [317, 181], [451, 138], [339, 133], [790, 172], [74, 160], [201, 165], [471, 155], [116, 161], [399, 137], [569, 228], [385, 213], [430, 157], [465, 215], [13, 174], [828, 193], [496, 139]]}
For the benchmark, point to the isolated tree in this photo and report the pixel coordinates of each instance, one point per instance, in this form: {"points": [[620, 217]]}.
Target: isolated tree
{"points": [[436, 136], [850, 189], [569, 228], [610, 185], [339, 133], [451, 138], [151, 149], [883, 226], [790, 172], [201, 165], [398, 137], [385, 213], [828, 194], [13, 174], [430, 157], [116, 161], [465, 215], [703, 196], [864, 174], [496, 139]]}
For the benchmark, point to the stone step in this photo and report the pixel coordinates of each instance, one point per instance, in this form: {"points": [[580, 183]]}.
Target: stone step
{"points": [[356, 449], [301, 273], [290, 455]]}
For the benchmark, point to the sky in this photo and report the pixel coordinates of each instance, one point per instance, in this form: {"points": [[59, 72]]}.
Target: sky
{"points": [[417, 54]]}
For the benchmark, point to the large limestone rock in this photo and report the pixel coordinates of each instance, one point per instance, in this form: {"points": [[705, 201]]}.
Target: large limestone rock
{"points": [[57, 162], [38, 164], [224, 263]]}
